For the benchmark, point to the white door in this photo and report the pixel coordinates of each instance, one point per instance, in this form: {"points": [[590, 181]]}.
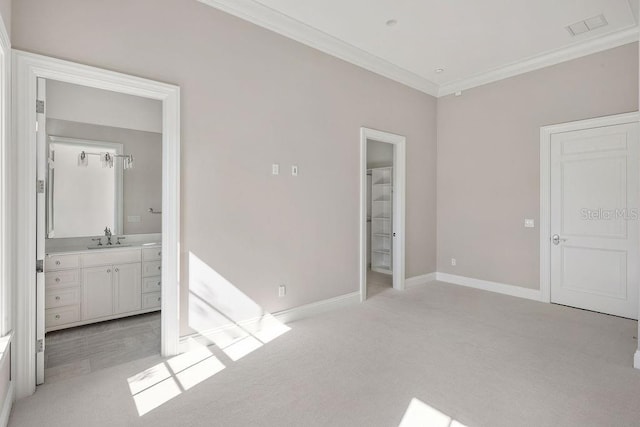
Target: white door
{"points": [[41, 173], [127, 287], [97, 292], [594, 219]]}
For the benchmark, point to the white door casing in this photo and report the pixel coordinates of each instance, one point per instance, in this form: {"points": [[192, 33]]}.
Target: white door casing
{"points": [[27, 68], [594, 182]]}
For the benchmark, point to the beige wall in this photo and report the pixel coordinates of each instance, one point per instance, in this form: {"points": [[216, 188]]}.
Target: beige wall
{"points": [[379, 154], [251, 98], [143, 183], [488, 159], [5, 14]]}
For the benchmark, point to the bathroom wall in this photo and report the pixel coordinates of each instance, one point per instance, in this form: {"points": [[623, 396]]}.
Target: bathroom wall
{"points": [[143, 183]]}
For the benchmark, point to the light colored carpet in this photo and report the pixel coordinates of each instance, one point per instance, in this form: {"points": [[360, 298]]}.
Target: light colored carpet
{"points": [[483, 359]]}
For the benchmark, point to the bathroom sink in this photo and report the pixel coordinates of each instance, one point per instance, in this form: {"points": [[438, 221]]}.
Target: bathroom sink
{"points": [[109, 247]]}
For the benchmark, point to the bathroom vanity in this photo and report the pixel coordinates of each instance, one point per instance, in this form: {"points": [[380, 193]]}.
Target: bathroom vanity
{"points": [[93, 285]]}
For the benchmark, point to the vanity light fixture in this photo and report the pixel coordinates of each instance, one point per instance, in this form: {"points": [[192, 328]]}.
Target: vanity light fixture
{"points": [[106, 159]]}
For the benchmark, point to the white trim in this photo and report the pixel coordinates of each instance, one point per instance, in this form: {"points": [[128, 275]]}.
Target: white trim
{"points": [[280, 23], [6, 188], [399, 205], [27, 68], [7, 405], [420, 280], [545, 185], [485, 285], [285, 316], [543, 60], [636, 360]]}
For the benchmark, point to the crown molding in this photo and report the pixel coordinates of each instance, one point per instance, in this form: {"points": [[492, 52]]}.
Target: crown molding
{"points": [[282, 24], [266, 17], [547, 59]]}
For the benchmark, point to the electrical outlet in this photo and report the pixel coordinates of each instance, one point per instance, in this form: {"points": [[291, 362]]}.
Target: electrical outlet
{"points": [[294, 170], [282, 291], [275, 169], [453, 262], [529, 223]]}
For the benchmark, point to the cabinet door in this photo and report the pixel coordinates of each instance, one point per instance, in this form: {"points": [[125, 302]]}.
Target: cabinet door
{"points": [[127, 287], [97, 292]]}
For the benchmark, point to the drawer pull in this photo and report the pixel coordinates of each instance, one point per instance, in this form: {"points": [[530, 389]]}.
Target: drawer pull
{"points": [[57, 298], [108, 270], [57, 316], [159, 298], [57, 280], [57, 262], [159, 253], [159, 267], [159, 283], [117, 270]]}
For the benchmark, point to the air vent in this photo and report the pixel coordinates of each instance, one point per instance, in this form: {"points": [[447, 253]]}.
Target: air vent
{"points": [[587, 25]]}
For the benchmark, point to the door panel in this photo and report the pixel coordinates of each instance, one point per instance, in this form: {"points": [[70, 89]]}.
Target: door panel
{"points": [[127, 287], [594, 216], [97, 292]]}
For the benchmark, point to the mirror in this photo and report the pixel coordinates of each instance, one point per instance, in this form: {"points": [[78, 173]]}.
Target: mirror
{"points": [[85, 190], [85, 195]]}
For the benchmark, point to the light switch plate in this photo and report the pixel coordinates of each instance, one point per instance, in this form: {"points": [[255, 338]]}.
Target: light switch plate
{"points": [[275, 169], [529, 223]]}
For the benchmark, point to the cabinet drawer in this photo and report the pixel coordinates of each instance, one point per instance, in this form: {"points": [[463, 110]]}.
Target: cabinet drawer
{"points": [[60, 316], [152, 254], [62, 297], [108, 258], [62, 279], [60, 262], [151, 300], [151, 284], [151, 268]]}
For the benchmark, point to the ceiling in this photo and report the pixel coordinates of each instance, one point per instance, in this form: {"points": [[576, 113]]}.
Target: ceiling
{"points": [[473, 42]]}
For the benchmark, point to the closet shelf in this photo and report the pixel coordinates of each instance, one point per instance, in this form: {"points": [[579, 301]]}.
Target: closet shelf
{"points": [[385, 218], [381, 251]]}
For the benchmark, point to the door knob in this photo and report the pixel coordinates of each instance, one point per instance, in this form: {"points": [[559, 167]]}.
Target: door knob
{"points": [[556, 239]]}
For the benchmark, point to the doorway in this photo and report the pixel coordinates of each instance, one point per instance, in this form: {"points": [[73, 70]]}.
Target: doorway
{"points": [[28, 350], [382, 208], [100, 161], [590, 234]]}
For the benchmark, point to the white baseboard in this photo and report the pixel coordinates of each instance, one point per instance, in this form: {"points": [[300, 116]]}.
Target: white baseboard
{"points": [[485, 285], [283, 317], [636, 360], [6, 406], [423, 279]]}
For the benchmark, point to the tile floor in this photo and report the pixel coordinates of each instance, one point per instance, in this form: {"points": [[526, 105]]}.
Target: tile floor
{"points": [[84, 349]]}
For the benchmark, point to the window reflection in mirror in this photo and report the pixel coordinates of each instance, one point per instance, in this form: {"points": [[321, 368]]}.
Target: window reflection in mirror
{"points": [[83, 197]]}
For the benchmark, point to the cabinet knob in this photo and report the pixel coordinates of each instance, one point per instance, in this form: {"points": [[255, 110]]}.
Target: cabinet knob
{"points": [[117, 270], [57, 298], [57, 280], [57, 262], [57, 316], [159, 267], [159, 283], [108, 270], [159, 253], [159, 298]]}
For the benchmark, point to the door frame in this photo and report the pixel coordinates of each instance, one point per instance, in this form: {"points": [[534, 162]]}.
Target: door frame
{"points": [[399, 143], [27, 67], [546, 133]]}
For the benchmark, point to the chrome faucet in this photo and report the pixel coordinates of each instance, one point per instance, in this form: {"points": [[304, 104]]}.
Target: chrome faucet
{"points": [[107, 233]]}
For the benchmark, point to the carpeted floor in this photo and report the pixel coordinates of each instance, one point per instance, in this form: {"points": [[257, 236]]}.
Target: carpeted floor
{"points": [[482, 359]]}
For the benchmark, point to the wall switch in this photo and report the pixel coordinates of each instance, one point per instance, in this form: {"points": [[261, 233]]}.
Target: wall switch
{"points": [[453, 262], [282, 291], [294, 170], [275, 169], [529, 223], [133, 218]]}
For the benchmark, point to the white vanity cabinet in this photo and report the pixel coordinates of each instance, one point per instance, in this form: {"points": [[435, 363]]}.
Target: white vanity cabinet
{"points": [[93, 286]]}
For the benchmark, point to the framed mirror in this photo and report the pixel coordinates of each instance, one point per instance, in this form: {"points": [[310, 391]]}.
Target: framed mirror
{"points": [[85, 187]]}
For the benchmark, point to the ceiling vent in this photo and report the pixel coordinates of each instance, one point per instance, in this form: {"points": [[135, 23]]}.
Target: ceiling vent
{"points": [[587, 25]]}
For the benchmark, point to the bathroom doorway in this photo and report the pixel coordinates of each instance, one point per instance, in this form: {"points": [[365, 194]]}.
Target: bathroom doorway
{"points": [[123, 273], [382, 207]]}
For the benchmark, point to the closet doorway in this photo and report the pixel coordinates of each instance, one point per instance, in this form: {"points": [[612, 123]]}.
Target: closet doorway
{"points": [[382, 210]]}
